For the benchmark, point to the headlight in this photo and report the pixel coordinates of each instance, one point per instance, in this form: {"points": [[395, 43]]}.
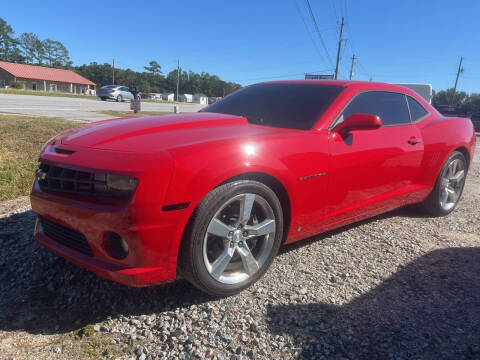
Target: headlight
{"points": [[115, 185], [121, 183]]}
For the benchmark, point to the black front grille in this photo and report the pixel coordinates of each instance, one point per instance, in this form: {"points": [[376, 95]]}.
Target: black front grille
{"points": [[61, 179], [66, 236]]}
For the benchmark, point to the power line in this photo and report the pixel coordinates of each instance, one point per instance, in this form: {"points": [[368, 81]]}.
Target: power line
{"points": [[334, 9], [281, 76], [438, 60], [308, 31], [318, 32]]}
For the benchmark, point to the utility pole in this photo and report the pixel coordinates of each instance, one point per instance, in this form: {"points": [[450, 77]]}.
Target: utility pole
{"points": [[351, 67], [113, 71], [339, 48], [178, 76], [460, 70]]}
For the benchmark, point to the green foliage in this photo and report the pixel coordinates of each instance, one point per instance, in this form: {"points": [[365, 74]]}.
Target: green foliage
{"points": [[16, 85], [190, 82], [55, 53], [154, 67], [85, 331], [29, 49], [9, 50], [469, 104], [32, 48]]}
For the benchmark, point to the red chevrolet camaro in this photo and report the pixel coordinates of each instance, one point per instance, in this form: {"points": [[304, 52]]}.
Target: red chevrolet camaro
{"points": [[211, 196]]}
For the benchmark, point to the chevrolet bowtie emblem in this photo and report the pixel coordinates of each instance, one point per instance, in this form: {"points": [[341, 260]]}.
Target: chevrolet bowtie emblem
{"points": [[40, 175]]}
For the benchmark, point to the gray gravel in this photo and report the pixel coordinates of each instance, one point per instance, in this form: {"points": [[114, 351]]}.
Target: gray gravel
{"points": [[399, 286]]}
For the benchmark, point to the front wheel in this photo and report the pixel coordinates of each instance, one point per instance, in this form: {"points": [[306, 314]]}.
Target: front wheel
{"points": [[449, 186], [235, 233]]}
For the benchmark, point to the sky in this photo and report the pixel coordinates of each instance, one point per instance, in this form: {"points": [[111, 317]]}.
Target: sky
{"points": [[252, 41]]}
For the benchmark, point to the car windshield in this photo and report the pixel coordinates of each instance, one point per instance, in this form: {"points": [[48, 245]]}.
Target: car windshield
{"points": [[292, 106]]}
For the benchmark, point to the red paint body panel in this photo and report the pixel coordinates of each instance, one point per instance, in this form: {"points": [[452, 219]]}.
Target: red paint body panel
{"points": [[331, 179]]}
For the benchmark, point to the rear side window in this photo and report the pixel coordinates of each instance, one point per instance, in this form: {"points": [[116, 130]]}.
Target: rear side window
{"points": [[390, 107], [417, 111]]}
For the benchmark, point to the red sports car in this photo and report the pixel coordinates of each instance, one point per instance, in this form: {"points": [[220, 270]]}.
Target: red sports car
{"points": [[211, 196]]}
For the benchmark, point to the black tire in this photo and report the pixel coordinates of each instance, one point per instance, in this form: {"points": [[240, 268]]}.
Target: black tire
{"points": [[191, 262], [103, 99], [119, 98], [432, 204]]}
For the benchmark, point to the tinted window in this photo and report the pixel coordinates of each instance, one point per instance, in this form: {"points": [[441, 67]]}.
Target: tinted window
{"points": [[417, 111], [391, 107], [293, 106]]}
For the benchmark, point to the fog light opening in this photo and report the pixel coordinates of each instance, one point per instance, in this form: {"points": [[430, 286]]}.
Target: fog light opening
{"points": [[117, 246]]}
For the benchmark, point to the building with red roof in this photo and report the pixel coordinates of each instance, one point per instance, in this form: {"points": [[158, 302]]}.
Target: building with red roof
{"points": [[33, 77]]}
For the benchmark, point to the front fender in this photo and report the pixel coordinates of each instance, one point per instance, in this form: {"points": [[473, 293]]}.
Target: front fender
{"points": [[299, 162]]}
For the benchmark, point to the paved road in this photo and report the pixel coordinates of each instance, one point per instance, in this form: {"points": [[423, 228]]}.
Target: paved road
{"points": [[75, 109]]}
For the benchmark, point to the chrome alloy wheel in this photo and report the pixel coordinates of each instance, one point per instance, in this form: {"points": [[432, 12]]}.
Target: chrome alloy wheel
{"points": [[452, 184], [239, 238]]}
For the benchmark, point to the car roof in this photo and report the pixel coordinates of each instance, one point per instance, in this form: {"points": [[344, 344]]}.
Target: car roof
{"points": [[344, 83], [353, 85]]}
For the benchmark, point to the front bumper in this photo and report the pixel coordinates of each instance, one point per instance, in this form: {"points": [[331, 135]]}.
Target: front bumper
{"points": [[153, 236]]}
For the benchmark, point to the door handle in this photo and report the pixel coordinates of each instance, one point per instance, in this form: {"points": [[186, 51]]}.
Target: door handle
{"points": [[413, 140]]}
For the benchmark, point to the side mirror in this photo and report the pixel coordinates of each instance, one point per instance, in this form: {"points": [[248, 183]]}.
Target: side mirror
{"points": [[358, 122]]}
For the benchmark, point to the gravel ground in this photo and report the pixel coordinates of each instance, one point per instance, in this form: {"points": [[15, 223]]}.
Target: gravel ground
{"points": [[398, 286]]}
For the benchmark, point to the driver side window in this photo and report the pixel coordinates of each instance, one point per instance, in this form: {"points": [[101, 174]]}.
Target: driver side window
{"points": [[389, 106]]}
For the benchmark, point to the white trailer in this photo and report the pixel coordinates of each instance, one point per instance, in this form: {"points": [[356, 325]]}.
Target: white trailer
{"points": [[424, 90]]}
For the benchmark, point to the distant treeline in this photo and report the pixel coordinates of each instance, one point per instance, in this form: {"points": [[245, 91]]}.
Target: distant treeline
{"points": [[29, 49], [461, 101]]}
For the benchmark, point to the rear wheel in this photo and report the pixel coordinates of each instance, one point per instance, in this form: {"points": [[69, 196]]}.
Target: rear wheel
{"points": [[103, 99], [235, 233], [119, 98], [449, 186]]}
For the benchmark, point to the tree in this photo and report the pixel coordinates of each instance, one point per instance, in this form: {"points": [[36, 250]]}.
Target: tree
{"points": [[447, 97], [32, 48], [9, 50], [154, 68], [145, 88], [56, 54]]}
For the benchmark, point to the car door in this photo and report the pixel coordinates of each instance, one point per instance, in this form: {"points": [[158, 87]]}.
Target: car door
{"points": [[371, 171]]}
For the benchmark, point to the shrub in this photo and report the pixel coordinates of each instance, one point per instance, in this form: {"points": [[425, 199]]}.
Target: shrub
{"points": [[16, 85]]}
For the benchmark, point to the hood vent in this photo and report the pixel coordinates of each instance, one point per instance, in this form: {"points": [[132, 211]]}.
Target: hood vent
{"points": [[64, 151]]}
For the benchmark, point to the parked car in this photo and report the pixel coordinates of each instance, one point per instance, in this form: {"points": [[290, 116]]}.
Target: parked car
{"points": [[211, 196], [115, 92], [476, 121]]}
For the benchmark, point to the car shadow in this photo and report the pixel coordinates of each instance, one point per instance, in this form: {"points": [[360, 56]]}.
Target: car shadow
{"points": [[41, 292], [430, 309]]}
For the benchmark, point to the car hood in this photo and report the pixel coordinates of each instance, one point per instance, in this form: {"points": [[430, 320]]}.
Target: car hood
{"points": [[156, 133]]}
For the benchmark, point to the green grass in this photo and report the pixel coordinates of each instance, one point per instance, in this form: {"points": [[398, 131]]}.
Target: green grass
{"points": [[21, 139], [46, 93], [131, 113]]}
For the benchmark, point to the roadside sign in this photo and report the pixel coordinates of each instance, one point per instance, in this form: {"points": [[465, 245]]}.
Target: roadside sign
{"points": [[135, 105], [318, 77]]}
